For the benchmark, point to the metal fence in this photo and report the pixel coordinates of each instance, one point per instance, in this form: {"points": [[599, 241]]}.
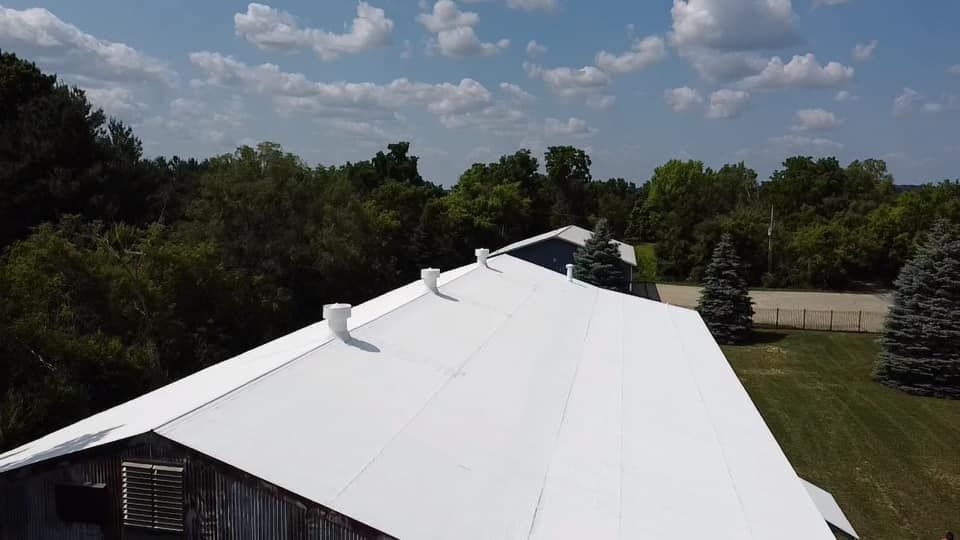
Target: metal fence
{"points": [[816, 319]]}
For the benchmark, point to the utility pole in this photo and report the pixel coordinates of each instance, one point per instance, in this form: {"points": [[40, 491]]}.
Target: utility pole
{"points": [[770, 243]]}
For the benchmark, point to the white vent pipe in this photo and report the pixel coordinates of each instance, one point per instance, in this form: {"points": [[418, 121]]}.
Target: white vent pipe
{"points": [[429, 277], [336, 316], [482, 255]]}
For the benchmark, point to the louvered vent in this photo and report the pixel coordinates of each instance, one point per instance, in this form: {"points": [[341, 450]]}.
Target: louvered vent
{"points": [[153, 496]]}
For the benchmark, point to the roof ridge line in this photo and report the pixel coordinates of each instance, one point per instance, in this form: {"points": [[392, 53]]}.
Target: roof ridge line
{"points": [[177, 419]]}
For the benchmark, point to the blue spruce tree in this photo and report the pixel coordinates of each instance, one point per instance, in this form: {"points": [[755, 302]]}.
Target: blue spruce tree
{"points": [[921, 339], [725, 303]]}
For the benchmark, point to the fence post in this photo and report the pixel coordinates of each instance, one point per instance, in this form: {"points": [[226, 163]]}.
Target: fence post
{"points": [[803, 323], [859, 320], [831, 320], [776, 323]]}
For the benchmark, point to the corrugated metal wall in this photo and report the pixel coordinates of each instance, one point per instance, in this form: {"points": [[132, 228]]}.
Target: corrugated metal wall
{"points": [[221, 503]]}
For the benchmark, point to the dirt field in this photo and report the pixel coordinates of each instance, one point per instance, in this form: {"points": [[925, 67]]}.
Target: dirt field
{"points": [[686, 296]]}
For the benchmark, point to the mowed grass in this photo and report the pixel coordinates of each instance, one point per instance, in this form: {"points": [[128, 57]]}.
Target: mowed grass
{"points": [[891, 460], [646, 262]]}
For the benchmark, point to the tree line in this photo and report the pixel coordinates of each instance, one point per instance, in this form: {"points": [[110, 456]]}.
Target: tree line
{"points": [[120, 273]]}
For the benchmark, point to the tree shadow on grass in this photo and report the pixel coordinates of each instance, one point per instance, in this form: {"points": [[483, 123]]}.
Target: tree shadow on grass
{"points": [[764, 336]]}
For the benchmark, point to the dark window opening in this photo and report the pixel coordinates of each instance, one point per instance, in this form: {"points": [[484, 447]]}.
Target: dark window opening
{"points": [[82, 503]]}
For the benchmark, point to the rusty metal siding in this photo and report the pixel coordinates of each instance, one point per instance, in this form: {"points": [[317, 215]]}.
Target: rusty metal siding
{"points": [[220, 502]]}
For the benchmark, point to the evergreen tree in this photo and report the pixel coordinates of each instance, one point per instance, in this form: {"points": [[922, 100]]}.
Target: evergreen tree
{"points": [[598, 261], [921, 341], [725, 303]]}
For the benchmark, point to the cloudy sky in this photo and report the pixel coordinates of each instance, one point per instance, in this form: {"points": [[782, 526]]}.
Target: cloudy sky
{"points": [[635, 82]]}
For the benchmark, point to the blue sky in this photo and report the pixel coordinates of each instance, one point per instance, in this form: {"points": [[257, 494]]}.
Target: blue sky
{"points": [[634, 82]]}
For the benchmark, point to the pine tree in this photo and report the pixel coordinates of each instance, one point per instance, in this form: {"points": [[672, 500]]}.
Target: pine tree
{"points": [[598, 261], [921, 340], [725, 303]]}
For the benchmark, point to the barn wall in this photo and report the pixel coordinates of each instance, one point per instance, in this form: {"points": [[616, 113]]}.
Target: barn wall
{"points": [[220, 502], [555, 254]]}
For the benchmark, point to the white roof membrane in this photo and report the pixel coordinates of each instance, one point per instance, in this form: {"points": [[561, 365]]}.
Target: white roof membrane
{"points": [[515, 404]]}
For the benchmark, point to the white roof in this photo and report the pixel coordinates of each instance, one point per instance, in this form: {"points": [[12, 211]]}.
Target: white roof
{"points": [[575, 235], [515, 404], [829, 508]]}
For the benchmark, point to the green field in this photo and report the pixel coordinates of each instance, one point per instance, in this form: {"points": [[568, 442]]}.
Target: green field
{"points": [[646, 263], [891, 460]]}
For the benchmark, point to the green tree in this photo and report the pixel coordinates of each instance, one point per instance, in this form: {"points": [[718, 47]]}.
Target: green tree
{"points": [[94, 315], [568, 174], [598, 261], [921, 340], [725, 303], [612, 200], [49, 142]]}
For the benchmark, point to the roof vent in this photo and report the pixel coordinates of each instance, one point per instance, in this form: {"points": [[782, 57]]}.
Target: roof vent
{"points": [[569, 272], [429, 276], [336, 316], [482, 255]]}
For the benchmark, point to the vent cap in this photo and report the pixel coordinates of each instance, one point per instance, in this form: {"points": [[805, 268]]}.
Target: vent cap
{"points": [[152, 496]]}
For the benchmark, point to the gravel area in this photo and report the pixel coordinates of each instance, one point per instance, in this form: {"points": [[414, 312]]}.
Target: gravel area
{"points": [[681, 295]]}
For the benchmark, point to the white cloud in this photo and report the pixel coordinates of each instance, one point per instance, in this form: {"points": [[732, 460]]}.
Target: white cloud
{"points": [[447, 16], [800, 72], [726, 103], [904, 103], [566, 81], [572, 127], [463, 41], [535, 50], [723, 67], [118, 101], [815, 120], [64, 48], [499, 119], [845, 95], [456, 37], [829, 3], [644, 53], [801, 143], [517, 95], [864, 51], [293, 92], [534, 5], [933, 107], [220, 125], [683, 98], [733, 25], [407, 52], [954, 69], [601, 103], [270, 28], [357, 130]]}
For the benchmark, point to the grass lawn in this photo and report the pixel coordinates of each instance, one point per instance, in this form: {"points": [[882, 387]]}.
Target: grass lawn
{"points": [[891, 460], [646, 262]]}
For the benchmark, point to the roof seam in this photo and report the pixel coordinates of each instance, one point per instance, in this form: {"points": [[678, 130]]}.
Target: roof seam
{"points": [[563, 414], [623, 356], [713, 427], [433, 396], [174, 421]]}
